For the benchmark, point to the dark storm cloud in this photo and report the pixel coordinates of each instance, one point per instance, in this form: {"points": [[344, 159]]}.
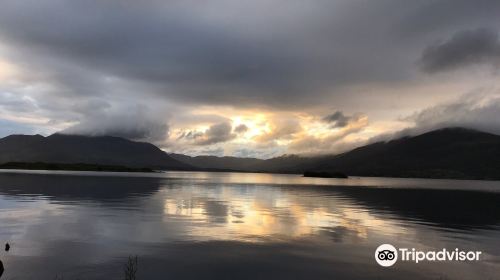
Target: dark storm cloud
{"points": [[159, 44], [265, 53], [210, 53], [478, 46], [435, 17]]}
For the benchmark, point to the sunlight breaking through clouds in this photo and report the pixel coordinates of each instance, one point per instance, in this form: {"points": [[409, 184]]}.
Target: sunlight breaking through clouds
{"points": [[315, 77]]}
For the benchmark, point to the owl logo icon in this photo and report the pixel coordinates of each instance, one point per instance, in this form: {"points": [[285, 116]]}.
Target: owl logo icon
{"points": [[386, 255]]}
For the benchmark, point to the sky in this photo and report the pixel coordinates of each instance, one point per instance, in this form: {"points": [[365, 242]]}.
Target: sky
{"points": [[249, 78]]}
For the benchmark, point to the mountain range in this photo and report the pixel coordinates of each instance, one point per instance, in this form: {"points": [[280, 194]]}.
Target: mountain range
{"points": [[105, 150], [446, 153]]}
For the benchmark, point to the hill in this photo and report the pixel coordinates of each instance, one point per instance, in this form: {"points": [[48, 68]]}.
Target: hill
{"points": [[220, 163], [446, 153], [71, 149], [456, 153]]}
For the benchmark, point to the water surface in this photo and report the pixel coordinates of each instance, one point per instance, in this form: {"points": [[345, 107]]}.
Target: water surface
{"points": [[196, 225]]}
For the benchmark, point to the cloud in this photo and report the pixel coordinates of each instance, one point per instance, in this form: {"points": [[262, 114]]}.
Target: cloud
{"points": [[188, 53], [468, 47], [339, 120], [15, 102], [242, 128], [217, 133], [332, 143], [189, 65], [135, 125], [280, 128], [475, 111]]}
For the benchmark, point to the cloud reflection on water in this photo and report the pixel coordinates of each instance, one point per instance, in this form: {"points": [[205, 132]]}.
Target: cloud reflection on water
{"points": [[75, 224], [263, 213]]}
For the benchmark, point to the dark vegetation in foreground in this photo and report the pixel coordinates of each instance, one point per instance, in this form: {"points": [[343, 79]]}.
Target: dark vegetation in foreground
{"points": [[130, 269], [71, 167]]}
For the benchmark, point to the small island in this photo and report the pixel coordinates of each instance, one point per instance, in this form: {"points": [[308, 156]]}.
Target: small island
{"points": [[71, 167], [325, 174]]}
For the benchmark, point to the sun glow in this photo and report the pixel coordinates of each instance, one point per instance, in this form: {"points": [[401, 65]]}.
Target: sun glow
{"points": [[265, 133], [257, 124], [7, 70]]}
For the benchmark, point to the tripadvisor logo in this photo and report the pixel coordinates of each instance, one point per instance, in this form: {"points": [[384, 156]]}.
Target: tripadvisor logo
{"points": [[387, 255]]}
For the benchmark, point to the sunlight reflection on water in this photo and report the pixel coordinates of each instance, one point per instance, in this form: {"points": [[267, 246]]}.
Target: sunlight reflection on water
{"points": [[196, 224]]}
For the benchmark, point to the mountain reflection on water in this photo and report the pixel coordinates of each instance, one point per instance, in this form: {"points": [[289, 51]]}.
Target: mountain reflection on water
{"points": [[192, 225]]}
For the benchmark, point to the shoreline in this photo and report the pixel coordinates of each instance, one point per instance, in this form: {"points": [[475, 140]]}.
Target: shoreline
{"points": [[71, 167], [42, 166]]}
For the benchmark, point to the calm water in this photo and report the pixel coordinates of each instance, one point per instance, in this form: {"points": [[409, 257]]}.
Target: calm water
{"points": [[186, 225]]}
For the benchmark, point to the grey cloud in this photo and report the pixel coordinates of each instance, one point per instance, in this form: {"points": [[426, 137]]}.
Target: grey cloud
{"points": [[210, 54], [107, 56], [189, 135], [339, 120], [473, 111], [217, 133], [95, 106], [478, 46], [477, 110], [135, 125], [192, 53], [16, 103], [332, 144], [436, 17], [242, 128], [155, 43]]}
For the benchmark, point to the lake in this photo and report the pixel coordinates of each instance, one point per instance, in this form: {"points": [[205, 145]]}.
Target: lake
{"points": [[199, 225]]}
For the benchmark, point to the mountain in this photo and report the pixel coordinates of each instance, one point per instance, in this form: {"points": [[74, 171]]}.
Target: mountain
{"points": [[446, 153], [105, 150], [220, 163], [282, 164]]}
